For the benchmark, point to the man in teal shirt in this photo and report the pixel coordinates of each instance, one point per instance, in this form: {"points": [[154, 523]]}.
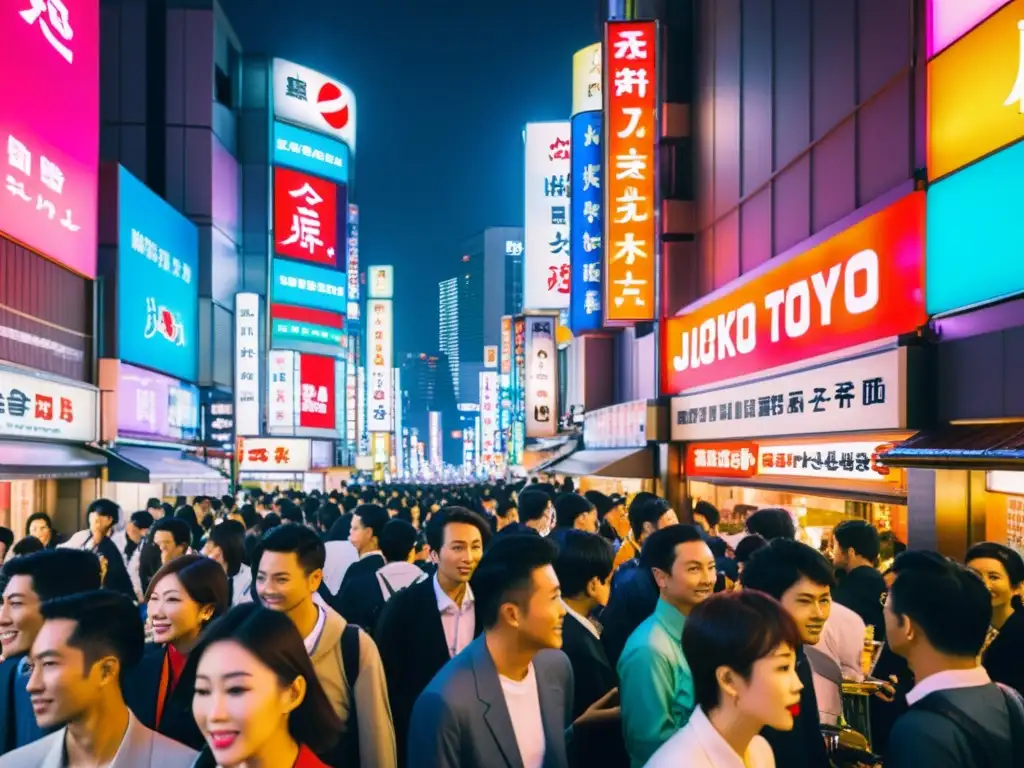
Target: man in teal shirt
{"points": [[655, 685]]}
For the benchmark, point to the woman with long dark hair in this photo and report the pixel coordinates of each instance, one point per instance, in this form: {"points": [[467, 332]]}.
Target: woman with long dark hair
{"points": [[257, 699], [225, 543], [1002, 570], [183, 597]]}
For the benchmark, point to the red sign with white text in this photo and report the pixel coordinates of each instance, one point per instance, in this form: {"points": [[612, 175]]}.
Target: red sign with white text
{"points": [[316, 392], [631, 99], [864, 284], [305, 217], [721, 460]]}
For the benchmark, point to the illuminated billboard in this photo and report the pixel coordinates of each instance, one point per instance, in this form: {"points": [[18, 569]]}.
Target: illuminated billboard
{"points": [[379, 340], [546, 270], [310, 152], [313, 100], [306, 217], [586, 224], [307, 286]]}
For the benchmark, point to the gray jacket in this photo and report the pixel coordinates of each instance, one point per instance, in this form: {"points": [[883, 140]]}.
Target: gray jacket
{"points": [[140, 748], [461, 718]]}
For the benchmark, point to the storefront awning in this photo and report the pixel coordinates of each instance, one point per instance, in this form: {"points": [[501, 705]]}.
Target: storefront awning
{"points": [[33, 460], [962, 446], [136, 464], [631, 463]]}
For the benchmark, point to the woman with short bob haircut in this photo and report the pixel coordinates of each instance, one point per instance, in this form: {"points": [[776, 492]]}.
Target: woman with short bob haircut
{"points": [[257, 699], [182, 598], [741, 649]]}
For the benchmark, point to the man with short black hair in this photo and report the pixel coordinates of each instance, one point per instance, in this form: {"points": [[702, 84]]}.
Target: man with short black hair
{"points": [[655, 683], [173, 537], [155, 507], [647, 513], [102, 516], [288, 570], [536, 510], [573, 511], [862, 589], [368, 521], [440, 612], [937, 616], [86, 645], [800, 578], [27, 583], [706, 515], [507, 698], [771, 523]]}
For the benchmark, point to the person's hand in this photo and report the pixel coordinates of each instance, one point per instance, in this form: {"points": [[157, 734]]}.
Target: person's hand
{"points": [[887, 692], [604, 710]]}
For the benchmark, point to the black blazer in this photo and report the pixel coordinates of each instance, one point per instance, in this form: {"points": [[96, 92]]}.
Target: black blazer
{"points": [[363, 567], [1003, 660], [413, 649], [593, 676], [862, 590], [141, 688]]}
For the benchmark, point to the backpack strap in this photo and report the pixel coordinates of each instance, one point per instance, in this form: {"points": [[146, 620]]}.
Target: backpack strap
{"points": [[387, 584], [350, 657]]}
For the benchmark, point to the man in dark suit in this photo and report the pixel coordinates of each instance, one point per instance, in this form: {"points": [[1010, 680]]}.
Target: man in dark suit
{"points": [[584, 569], [368, 521], [423, 626], [861, 588], [505, 701]]}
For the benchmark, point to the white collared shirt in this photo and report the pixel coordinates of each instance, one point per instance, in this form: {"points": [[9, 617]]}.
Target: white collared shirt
{"points": [[459, 622], [371, 554], [311, 640], [582, 620], [949, 680], [699, 745]]}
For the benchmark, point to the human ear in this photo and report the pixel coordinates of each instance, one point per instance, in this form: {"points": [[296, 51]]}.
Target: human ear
{"points": [[294, 694]]}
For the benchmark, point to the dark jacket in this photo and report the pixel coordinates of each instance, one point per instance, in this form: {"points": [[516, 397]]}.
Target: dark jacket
{"points": [[1003, 660], [634, 596], [862, 590], [804, 746], [141, 689], [365, 566], [413, 648], [926, 738], [17, 721], [593, 676], [117, 579]]}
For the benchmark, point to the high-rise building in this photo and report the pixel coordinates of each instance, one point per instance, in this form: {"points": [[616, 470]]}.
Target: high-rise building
{"points": [[448, 326], [426, 386]]}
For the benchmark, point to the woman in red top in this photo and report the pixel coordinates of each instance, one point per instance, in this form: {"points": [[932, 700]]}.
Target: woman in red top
{"points": [[183, 597], [257, 699]]}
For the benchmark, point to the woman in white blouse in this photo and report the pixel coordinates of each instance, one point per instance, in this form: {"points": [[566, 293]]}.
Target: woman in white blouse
{"points": [[741, 649]]}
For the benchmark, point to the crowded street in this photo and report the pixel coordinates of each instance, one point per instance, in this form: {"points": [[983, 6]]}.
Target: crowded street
{"points": [[641, 390]]}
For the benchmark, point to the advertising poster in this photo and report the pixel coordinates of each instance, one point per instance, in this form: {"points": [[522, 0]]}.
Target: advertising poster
{"points": [[306, 217], [307, 286], [310, 152], [315, 101], [317, 397], [281, 377], [150, 405], [380, 282], [541, 380], [587, 254], [247, 364], [631, 100], [50, 124], [157, 282], [379, 341], [546, 270], [42, 409], [297, 325]]}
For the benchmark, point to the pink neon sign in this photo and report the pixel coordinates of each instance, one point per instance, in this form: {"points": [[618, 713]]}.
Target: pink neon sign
{"points": [[50, 128], [949, 20]]}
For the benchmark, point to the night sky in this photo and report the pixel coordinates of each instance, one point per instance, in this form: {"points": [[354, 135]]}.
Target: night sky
{"points": [[443, 91]]}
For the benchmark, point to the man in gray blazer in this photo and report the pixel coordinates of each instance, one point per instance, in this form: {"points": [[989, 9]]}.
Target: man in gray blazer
{"points": [[87, 642], [506, 700]]}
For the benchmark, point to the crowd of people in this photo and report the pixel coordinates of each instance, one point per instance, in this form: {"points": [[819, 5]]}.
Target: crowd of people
{"points": [[494, 625]]}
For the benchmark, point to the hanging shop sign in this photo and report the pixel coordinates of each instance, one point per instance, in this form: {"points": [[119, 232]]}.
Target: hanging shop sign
{"points": [[218, 420], [862, 285], [976, 93], [841, 461], [273, 454], [541, 382], [313, 100], [247, 364], [631, 135], [44, 409], [546, 269], [281, 376], [864, 393], [586, 224], [586, 80], [737, 460]]}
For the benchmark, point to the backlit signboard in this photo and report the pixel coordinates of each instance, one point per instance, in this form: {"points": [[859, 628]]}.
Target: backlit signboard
{"points": [[380, 282], [290, 325], [310, 152], [586, 80], [313, 100], [247, 364], [541, 382], [306, 217], [948, 20], [586, 224], [306, 285], [546, 271], [353, 262], [379, 340]]}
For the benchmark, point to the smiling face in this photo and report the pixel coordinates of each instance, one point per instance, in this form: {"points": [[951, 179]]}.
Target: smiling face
{"points": [[20, 619], [810, 605], [281, 582], [41, 530], [539, 615], [240, 705], [993, 573], [692, 579], [174, 615], [460, 554]]}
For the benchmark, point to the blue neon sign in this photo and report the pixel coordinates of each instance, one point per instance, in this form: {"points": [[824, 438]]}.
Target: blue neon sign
{"points": [[586, 225], [310, 152], [157, 282], [305, 285]]}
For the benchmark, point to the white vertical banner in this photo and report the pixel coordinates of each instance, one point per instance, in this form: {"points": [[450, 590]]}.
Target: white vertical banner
{"points": [[379, 328], [488, 416], [396, 387], [436, 452], [282, 390], [546, 269], [541, 376], [363, 447], [247, 364]]}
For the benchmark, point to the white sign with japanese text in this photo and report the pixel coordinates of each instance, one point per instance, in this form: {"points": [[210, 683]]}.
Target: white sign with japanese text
{"points": [[488, 416], [541, 377], [546, 272], [860, 394], [380, 282], [353, 262], [282, 376], [842, 461], [586, 80], [308, 98], [43, 409], [274, 454], [247, 364], [379, 329]]}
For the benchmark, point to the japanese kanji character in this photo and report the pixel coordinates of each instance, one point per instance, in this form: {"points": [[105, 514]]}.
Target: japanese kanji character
{"points": [[591, 137], [764, 407], [778, 405], [630, 165], [873, 391], [558, 217], [633, 127], [558, 278], [627, 206], [67, 223], [627, 78], [630, 46], [67, 410], [560, 244], [58, 18], [818, 400], [796, 402], [591, 302], [844, 394], [18, 156], [17, 188], [51, 174], [591, 211], [259, 455], [592, 272], [281, 455], [591, 176], [591, 242], [44, 407], [630, 289], [750, 408], [556, 186], [43, 204], [725, 412], [296, 88], [17, 403], [629, 249]]}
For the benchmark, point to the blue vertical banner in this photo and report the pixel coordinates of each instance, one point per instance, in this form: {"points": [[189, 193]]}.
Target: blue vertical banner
{"points": [[586, 225]]}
